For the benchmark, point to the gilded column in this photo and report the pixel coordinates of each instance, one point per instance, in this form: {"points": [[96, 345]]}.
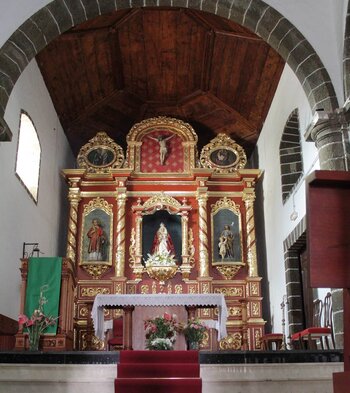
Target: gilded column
{"points": [[120, 233], [248, 198], [139, 236], [185, 266], [74, 199], [203, 234], [184, 226], [136, 261]]}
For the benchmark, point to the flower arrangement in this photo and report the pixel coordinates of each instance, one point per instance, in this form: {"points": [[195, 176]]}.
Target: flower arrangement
{"points": [[194, 332], [37, 323], [161, 266], [160, 259], [161, 332]]}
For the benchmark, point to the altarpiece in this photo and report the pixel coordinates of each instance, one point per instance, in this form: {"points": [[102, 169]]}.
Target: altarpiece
{"points": [[202, 202]]}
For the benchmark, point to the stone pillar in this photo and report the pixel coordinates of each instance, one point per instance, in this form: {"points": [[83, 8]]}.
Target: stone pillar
{"points": [[74, 199], [330, 132], [202, 199]]}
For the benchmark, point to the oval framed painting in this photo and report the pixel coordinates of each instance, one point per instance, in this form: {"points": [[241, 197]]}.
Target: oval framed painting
{"points": [[223, 157], [100, 156]]}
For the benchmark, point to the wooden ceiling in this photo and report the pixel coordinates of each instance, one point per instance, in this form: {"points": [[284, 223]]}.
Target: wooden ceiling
{"points": [[118, 69]]}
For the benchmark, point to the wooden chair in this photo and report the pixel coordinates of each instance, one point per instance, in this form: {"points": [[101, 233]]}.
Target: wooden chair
{"points": [[272, 341], [309, 337], [328, 320], [116, 342]]}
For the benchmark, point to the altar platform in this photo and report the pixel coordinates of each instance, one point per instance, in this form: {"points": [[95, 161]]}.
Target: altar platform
{"points": [[221, 372]]}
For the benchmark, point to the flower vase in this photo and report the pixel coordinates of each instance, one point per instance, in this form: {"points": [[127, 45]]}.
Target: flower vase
{"points": [[34, 343], [193, 345]]}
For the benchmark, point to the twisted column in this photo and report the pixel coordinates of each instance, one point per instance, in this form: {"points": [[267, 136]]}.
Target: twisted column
{"points": [[248, 198], [203, 236], [185, 266], [120, 234], [74, 199]]}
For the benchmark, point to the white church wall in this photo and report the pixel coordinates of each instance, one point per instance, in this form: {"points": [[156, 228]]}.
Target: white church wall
{"points": [[23, 220], [289, 96]]}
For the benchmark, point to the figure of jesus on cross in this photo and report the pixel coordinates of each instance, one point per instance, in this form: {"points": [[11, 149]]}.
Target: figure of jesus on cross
{"points": [[163, 148]]}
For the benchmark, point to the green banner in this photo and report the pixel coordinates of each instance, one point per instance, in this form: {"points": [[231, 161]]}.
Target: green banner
{"points": [[44, 276]]}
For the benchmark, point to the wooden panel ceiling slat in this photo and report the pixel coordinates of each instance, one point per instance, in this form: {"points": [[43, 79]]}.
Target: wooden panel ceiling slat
{"points": [[132, 49], [273, 68], [252, 74], [191, 38], [107, 20], [66, 78], [160, 50], [227, 64], [222, 24], [98, 65]]}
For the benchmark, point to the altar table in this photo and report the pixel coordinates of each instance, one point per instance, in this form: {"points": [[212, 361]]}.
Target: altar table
{"points": [[128, 302]]}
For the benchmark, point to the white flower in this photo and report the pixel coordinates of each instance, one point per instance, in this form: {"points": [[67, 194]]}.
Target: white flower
{"points": [[161, 259], [162, 343]]}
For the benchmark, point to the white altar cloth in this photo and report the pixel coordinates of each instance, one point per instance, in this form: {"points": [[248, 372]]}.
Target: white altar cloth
{"points": [[196, 300]]}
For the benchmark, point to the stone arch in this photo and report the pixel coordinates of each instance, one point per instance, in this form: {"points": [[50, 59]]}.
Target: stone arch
{"points": [[346, 56], [291, 161], [60, 15]]}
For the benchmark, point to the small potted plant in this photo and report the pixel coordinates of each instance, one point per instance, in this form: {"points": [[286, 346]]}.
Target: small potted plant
{"points": [[194, 332]]}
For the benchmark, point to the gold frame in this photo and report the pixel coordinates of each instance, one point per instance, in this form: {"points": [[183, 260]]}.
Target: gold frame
{"points": [[223, 267], [104, 142], [161, 201], [95, 268], [175, 126], [225, 143]]}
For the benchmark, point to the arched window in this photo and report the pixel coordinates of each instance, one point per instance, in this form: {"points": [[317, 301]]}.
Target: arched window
{"points": [[290, 155], [28, 156]]}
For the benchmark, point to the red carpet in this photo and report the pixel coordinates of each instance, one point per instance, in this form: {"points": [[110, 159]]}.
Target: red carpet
{"points": [[158, 372]]}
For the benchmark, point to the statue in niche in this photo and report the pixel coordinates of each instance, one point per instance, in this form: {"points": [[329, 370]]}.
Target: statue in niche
{"points": [[162, 242], [226, 243], [163, 148]]}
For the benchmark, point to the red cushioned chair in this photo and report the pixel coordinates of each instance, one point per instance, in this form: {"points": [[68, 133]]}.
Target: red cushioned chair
{"points": [[116, 342], [309, 337]]}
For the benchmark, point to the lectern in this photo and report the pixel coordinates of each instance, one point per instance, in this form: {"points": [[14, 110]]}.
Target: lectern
{"points": [[328, 231]]}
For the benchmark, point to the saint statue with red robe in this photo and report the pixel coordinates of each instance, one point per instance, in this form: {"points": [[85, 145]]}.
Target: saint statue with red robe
{"points": [[162, 242]]}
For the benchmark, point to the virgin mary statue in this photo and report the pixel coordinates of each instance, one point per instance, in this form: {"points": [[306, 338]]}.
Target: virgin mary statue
{"points": [[162, 242]]}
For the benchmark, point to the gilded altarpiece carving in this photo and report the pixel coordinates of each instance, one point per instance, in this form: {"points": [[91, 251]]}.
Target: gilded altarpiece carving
{"points": [[206, 201]]}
